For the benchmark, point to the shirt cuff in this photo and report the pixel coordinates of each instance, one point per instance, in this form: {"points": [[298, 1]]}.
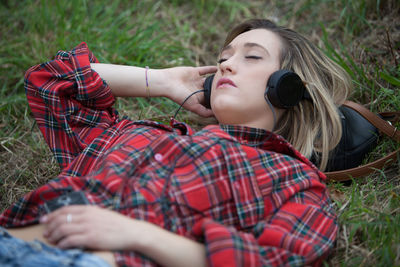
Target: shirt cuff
{"points": [[92, 90]]}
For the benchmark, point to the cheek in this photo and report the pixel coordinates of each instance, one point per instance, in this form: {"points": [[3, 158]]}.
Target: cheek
{"points": [[217, 76], [258, 78], [256, 86]]}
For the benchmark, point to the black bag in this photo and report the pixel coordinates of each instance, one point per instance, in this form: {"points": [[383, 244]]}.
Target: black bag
{"points": [[361, 129], [359, 136]]}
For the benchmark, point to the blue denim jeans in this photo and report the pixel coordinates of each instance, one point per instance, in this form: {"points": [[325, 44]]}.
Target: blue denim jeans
{"points": [[17, 252]]}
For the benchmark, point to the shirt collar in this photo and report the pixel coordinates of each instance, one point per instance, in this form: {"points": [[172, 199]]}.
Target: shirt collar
{"points": [[255, 137], [245, 135], [263, 139]]}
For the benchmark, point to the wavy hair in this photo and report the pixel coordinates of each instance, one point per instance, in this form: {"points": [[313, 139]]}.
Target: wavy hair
{"points": [[312, 127]]}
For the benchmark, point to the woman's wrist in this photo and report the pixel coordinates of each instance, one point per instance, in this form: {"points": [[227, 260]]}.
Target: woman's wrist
{"points": [[142, 234], [166, 247], [158, 82], [131, 81]]}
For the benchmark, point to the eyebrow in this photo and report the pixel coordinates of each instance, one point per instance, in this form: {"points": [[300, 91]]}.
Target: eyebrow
{"points": [[229, 47]]}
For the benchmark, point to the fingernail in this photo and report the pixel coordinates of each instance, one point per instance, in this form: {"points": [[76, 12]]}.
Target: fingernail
{"points": [[43, 219]]}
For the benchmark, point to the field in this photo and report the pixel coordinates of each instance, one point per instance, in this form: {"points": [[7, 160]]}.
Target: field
{"points": [[363, 36]]}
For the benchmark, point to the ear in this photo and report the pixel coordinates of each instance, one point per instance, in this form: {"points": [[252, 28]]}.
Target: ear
{"points": [[285, 89], [207, 91]]}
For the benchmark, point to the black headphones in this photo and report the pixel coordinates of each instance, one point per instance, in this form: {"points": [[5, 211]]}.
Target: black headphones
{"points": [[284, 89]]}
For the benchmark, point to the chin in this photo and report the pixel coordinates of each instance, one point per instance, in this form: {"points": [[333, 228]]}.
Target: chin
{"points": [[225, 103], [222, 109]]}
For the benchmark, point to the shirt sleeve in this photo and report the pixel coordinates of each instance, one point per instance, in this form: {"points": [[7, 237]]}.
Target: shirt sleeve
{"points": [[72, 105], [301, 232]]}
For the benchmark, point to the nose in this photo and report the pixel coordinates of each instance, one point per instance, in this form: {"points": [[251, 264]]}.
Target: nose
{"points": [[227, 66]]}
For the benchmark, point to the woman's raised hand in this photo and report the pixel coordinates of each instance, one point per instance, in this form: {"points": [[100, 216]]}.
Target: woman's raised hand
{"points": [[182, 81], [175, 83]]}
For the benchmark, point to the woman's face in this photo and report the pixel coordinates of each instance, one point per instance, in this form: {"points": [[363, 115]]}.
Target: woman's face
{"points": [[239, 85]]}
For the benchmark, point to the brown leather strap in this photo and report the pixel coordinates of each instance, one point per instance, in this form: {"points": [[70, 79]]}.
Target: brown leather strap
{"points": [[384, 127], [375, 120]]}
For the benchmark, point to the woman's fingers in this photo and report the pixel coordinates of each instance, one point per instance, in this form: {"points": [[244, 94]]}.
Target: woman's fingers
{"points": [[86, 226], [64, 210], [64, 231], [201, 110], [93, 228], [207, 70], [73, 241], [64, 214], [62, 222]]}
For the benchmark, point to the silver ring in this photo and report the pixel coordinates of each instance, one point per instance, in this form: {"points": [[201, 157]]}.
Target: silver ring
{"points": [[69, 218]]}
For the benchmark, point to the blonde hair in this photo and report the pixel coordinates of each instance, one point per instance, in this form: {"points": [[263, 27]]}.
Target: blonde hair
{"points": [[311, 126]]}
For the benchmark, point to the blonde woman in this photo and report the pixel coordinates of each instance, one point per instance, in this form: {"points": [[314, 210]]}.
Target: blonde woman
{"points": [[233, 194]]}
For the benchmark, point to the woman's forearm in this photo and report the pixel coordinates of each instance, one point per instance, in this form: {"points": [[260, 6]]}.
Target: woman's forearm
{"points": [[174, 83], [130, 81], [169, 249]]}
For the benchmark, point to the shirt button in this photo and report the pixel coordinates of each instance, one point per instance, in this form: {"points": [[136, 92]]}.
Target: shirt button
{"points": [[237, 185], [158, 157]]}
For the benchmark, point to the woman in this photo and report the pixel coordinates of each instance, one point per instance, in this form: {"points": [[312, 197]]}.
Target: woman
{"points": [[230, 194]]}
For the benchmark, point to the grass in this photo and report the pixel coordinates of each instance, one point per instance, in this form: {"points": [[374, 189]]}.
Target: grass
{"points": [[363, 36]]}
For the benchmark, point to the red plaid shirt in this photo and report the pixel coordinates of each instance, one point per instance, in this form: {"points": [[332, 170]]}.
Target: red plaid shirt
{"points": [[249, 196]]}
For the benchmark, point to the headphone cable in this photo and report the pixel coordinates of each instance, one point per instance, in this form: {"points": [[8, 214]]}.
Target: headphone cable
{"points": [[273, 113], [176, 113]]}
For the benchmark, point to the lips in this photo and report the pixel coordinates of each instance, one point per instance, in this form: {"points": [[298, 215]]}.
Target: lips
{"points": [[225, 81]]}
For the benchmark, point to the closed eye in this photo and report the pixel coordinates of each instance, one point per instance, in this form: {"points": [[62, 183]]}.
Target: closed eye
{"points": [[253, 57], [221, 60], [248, 57]]}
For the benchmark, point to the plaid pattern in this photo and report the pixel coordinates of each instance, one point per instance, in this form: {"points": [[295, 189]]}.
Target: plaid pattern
{"points": [[246, 194]]}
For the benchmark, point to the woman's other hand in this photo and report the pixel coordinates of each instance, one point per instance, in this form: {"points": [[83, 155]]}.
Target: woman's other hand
{"points": [[185, 80], [93, 228]]}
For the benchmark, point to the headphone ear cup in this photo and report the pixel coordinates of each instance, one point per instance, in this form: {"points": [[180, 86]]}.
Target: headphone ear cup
{"points": [[207, 91], [285, 89]]}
